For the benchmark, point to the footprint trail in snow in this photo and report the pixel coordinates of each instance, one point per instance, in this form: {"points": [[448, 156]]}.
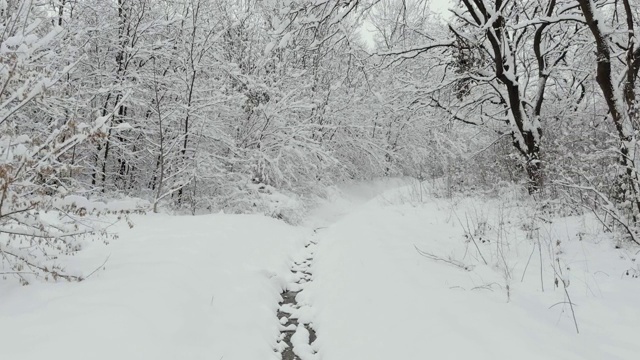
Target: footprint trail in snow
{"points": [[297, 336]]}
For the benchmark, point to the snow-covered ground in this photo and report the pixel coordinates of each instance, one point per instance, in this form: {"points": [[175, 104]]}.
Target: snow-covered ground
{"points": [[174, 287], [377, 297], [396, 274]]}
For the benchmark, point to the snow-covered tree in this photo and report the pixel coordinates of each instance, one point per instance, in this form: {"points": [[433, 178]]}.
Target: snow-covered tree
{"points": [[42, 212]]}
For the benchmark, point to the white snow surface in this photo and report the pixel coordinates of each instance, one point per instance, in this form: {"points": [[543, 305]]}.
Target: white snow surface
{"points": [[174, 287], [376, 297], [207, 287]]}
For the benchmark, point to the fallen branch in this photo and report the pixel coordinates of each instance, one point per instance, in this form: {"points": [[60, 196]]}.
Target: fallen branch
{"points": [[449, 260]]}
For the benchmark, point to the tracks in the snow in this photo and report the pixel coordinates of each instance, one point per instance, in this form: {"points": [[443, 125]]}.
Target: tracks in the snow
{"points": [[297, 335]]}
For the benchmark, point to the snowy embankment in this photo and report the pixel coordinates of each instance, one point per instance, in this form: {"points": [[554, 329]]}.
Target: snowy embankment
{"points": [[402, 275], [376, 296], [203, 287]]}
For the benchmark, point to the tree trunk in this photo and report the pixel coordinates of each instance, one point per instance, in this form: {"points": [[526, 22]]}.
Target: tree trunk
{"points": [[616, 101]]}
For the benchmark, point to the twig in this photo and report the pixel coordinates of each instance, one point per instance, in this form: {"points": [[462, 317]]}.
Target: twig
{"points": [[51, 271], [486, 287], [558, 273], [528, 261], [559, 303], [541, 274], [448, 261], [575, 322], [98, 268], [468, 230]]}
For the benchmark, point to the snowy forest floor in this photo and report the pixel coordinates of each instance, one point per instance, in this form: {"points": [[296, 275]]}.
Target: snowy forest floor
{"points": [[382, 270]]}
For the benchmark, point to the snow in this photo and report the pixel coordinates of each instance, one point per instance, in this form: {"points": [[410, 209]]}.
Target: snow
{"points": [[119, 205], [203, 287], [208, 287], [300, 340], [376, 297]]}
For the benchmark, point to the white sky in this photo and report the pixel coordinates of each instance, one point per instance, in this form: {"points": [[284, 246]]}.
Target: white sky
{"points": [[439, 6]]}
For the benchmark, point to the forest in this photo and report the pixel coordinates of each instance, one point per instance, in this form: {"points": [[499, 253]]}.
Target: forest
{"points": [[201, 106], [319, 179]]}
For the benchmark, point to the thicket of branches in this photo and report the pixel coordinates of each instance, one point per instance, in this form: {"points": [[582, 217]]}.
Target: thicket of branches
{"points": [[202, 105]]}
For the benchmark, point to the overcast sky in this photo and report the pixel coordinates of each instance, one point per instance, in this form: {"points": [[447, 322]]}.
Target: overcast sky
{"points": [[439, 6]]}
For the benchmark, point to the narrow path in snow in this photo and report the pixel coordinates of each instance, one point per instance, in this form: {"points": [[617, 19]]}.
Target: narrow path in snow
{"points": [[297, 340], [296, 333]]}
